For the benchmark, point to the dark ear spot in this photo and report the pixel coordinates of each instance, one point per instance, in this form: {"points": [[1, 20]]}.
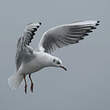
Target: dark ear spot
{"points": [[53, 60]]}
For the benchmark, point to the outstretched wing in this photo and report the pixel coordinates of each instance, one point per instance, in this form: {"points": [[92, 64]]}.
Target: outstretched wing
{"points": [[63, 35], [23, 48], [28, 34]]}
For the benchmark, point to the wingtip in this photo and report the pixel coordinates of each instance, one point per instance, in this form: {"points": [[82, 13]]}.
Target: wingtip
{"points": [[40, 23], [98, 23]]}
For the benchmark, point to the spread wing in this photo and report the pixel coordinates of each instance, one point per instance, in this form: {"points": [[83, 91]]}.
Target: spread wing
{"points": [[24, 51], [63, 35]]}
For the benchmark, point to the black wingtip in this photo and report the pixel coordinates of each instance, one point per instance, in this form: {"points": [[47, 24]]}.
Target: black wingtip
{"points": [[37, 26], [89, 31], [35, 29], [93, 27], [40, 23], [98, 22], [86, 34]]}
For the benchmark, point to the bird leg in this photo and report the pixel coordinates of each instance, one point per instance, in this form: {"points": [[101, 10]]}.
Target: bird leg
{"points": [[31, 88], [25, 84]]}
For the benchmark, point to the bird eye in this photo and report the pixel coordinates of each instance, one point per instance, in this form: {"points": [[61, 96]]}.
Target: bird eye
{"points": [[56, 61]]}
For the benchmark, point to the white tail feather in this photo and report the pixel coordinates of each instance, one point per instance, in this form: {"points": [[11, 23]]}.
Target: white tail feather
{"points": [[15, 80]]}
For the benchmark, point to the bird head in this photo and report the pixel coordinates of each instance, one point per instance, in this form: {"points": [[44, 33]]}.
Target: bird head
{"points": [[58, 63]]}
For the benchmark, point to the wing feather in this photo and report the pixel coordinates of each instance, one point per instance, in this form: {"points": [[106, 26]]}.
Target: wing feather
{"points": [[63, 35], [24, 51]]}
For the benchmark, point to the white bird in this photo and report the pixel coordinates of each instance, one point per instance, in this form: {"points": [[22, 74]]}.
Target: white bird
{"points": [[29, 61]]}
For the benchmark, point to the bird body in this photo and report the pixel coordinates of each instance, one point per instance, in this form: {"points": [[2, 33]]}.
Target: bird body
{"points": [[40, 60], [29, 61]]}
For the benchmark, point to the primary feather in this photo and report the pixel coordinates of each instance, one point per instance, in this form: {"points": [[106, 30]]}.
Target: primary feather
{"points": [[63, 35]]}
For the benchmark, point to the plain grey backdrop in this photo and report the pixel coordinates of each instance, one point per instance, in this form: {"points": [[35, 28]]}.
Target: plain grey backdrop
{"points": [[86, 84]]}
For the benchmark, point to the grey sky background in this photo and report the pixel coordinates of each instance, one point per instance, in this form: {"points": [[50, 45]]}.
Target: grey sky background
{"points": [[86, 84]]}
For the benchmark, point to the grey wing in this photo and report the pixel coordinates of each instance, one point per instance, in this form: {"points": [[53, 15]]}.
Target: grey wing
{"points": [[24, 51], [63, 35]]}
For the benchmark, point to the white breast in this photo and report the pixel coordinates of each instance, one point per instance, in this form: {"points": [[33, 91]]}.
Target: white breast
{"points": [[40, 61]]}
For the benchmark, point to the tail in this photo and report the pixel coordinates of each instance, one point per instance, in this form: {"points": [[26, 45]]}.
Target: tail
{"points": [[15, 80]]}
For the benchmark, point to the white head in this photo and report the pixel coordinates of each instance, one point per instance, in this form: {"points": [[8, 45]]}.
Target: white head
{"points": [[56, 62], [50, 61]]}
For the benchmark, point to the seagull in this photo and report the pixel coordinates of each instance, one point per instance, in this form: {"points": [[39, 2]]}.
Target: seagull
{"points": [[29, 60]]}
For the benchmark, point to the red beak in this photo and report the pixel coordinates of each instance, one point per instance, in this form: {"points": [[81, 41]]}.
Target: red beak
{"points": [[63, 68]]}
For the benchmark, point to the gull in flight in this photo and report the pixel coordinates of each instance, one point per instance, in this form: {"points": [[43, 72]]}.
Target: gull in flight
{"points": [[29, 61]]}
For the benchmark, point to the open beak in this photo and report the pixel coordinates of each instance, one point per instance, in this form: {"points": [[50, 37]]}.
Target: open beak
{"points": [[63, 68]]}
